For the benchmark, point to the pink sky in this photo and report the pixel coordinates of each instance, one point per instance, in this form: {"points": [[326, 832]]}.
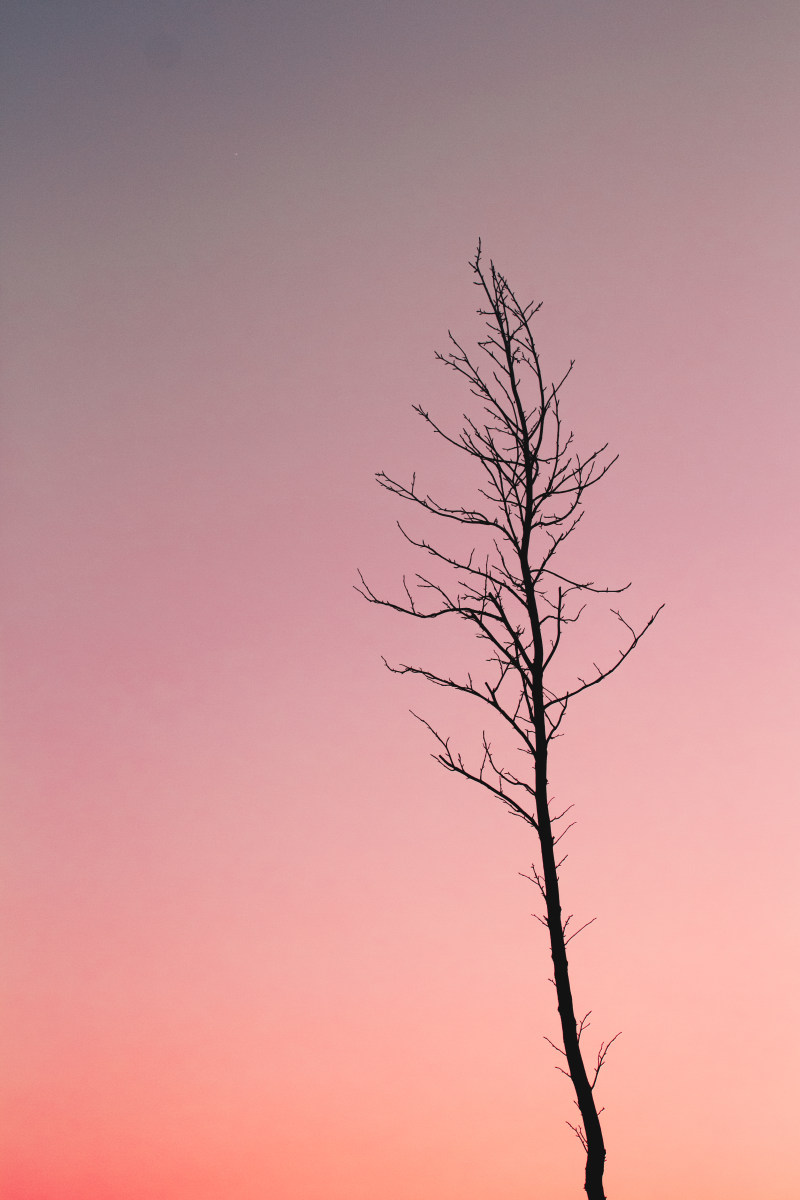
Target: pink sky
{"points": [[256, 945]]}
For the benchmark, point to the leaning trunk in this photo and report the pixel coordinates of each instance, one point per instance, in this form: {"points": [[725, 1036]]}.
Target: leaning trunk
{"points": [[584, 1094], [593, 1134]]}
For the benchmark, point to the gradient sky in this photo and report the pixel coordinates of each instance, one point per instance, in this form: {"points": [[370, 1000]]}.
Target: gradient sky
{"points": [[256, 945]]}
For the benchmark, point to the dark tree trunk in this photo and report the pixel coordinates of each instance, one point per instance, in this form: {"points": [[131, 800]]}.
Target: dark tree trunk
{"points": [[592, 1134]]}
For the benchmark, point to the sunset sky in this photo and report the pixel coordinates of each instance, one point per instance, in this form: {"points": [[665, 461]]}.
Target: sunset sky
{"points": [[257, 945]]}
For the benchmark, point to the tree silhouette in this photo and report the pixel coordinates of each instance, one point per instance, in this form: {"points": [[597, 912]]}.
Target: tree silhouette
{"points": [[510, 589]]}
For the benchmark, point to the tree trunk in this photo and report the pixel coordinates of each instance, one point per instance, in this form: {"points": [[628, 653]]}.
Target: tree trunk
{"points": [[593, 1134], [584, 1094]]}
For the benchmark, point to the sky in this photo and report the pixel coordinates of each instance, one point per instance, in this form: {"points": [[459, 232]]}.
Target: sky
{"points": [[257, 945]]}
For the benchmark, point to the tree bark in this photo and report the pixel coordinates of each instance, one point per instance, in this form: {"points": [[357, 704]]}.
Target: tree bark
{"points": [[584, 1094]]}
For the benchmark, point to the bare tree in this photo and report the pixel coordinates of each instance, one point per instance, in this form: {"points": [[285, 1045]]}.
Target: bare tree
{"points": [[510, 590]]}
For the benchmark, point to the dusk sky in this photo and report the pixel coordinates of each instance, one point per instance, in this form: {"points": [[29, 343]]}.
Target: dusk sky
{"points": [[257, 945]]}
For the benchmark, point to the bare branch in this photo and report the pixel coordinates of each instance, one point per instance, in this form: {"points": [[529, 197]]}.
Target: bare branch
{"points": [[601, 1056], [575, 932]]}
